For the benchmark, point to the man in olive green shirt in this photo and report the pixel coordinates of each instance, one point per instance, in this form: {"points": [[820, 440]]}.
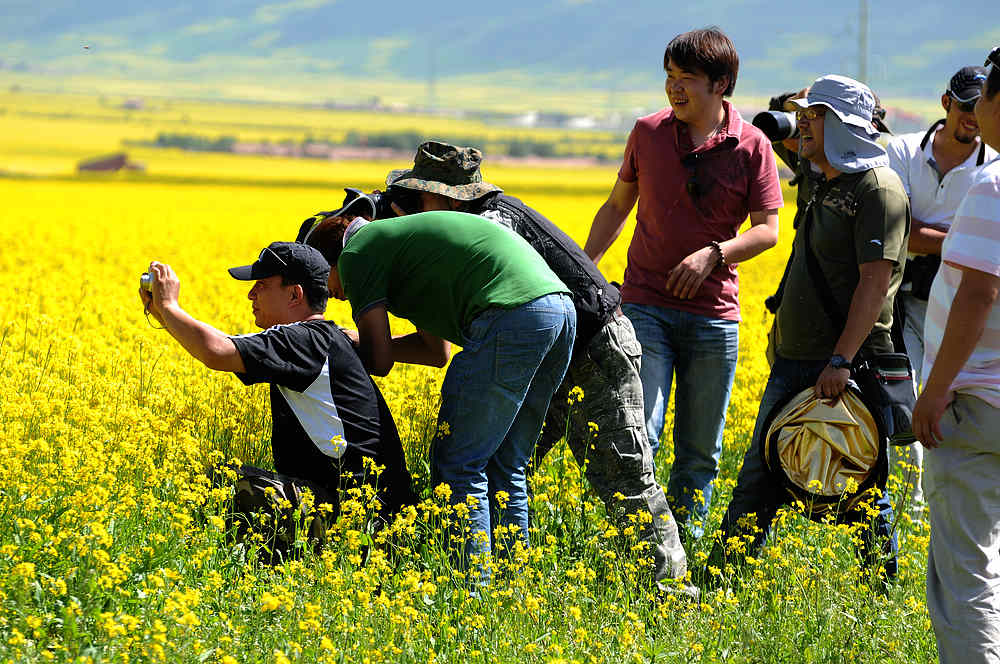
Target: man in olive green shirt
{"points": [[856, 225], [857, 219], [462, 279]]}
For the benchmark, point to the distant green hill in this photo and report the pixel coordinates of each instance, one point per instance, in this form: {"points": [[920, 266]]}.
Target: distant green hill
{"points": [[556, 46]]}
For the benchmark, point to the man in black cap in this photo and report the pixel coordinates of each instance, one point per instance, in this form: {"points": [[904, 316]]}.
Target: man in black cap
{"points": [[328, 416], [937, 168]]}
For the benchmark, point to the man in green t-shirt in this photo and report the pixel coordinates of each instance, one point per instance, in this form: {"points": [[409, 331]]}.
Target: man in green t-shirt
{"points": [[856, 226], [461, 279]]}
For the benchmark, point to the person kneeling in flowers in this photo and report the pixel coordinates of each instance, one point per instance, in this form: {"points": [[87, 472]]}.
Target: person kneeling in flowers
{"points": [[329, 420], [462, 279]]}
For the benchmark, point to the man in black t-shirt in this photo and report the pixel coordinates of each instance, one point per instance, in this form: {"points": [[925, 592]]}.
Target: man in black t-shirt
{"points": [[327, 414]]}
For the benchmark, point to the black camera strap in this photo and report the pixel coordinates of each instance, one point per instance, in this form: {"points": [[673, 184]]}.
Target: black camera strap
{"points": [[940, 123], [804, 172], [815, 272], [816, 275], [930, 132], [772, 302]]}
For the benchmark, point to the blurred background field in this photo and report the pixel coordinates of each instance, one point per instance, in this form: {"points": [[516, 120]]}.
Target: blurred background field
{"points": [[48, 134], [110, 543]]}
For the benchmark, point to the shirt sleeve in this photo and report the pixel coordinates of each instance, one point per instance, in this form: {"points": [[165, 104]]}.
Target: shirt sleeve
{"points": [[881, 225], [366, 282], [974, 238], [896, 149], [288, 355], [629, 172], [765, 186]]}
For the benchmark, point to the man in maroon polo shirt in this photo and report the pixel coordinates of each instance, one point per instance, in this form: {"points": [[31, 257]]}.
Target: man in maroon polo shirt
{"points": [[697, 171]]}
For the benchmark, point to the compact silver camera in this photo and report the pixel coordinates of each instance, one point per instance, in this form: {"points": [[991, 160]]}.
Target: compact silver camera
{"points": [[146, 281]]}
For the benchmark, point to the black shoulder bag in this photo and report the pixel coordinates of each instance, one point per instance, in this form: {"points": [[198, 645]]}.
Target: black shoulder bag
{"points": [[885, 378]]}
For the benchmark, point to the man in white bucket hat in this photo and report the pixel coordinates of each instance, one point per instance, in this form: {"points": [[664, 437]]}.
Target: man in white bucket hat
{"points": [[836, 307]]}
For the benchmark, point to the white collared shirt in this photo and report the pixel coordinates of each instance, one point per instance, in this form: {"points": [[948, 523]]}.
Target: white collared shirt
{"points": [[933, 199]]}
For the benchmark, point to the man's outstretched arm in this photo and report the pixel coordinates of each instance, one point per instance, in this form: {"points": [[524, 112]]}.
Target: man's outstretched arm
{"points": [[610, 219], [205, 343]]}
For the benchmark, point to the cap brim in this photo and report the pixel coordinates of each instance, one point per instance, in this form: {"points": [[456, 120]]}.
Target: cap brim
{"points": [[967, 95], [460, 192], [391, 178], [251, 272], [242, 272]]}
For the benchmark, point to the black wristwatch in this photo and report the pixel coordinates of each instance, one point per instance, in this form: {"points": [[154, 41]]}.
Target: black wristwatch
{"points": [[840, 362]]}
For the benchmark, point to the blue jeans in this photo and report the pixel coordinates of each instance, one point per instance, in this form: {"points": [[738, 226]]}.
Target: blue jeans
{"points": [[493, 401], [757, 492], [702, 353]]}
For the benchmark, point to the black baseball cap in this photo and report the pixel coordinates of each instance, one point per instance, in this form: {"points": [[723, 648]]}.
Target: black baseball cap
{"points": [[297, 262], [967, 84]]}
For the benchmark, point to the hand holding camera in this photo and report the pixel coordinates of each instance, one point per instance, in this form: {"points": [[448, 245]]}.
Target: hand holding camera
{"points": [[158, 289]]}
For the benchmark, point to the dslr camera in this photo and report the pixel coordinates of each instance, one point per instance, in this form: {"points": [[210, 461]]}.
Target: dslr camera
{"points": [[380, 202], [376, 205], [777, 123]]}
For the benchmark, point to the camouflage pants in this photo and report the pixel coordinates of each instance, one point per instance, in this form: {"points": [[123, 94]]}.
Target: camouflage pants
{"points": [[272, 506], [617, 459]]}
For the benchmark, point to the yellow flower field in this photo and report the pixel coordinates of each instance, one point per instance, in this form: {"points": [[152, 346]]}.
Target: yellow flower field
{"points": [[112, 542]]}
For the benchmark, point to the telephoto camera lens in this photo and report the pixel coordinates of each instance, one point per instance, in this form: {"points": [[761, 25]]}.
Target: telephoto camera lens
{"points": [[776, 125], [146, 281]]}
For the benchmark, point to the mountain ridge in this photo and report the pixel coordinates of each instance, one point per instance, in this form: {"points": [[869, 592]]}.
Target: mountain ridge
{"points": [[554, 44]]}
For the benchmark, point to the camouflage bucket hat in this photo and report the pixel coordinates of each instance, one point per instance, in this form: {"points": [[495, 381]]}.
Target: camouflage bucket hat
{"points": [[444, 169]]}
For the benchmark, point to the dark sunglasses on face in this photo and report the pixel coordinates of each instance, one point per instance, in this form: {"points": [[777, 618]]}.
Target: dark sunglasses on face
{"points": [[964, 106], [809, 114]]}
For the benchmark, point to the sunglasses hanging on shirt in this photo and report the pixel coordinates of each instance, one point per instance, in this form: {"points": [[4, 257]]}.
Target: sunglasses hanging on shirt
{"points": [[690, 162]]}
